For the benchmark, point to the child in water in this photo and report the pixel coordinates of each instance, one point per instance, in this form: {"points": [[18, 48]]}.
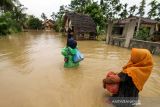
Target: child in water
{"points": [[69, 51], [132, 79]]}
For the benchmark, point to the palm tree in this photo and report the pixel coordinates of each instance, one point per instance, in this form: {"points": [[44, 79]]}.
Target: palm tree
{"points": [[112, 8], [79, 5], [19, 15], [141, 11], [102, 2], [43, 16], [132, 10], [18, 12], [158, 15], [6, 5], [53, 16], [124, 12], [153, 11]]}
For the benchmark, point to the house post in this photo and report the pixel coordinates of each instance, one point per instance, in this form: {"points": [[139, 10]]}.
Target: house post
{"points": [[125, 30], [109, 31], [152, 29], [130, 32]]}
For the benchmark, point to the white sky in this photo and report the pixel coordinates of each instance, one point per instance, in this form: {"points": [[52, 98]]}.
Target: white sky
{"points": [[36, 7]]}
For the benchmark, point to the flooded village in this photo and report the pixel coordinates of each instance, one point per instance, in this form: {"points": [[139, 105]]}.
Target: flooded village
{"points": [[118, 46]]}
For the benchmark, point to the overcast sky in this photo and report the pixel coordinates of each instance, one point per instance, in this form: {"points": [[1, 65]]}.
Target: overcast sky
{"points": [[36, 7]]}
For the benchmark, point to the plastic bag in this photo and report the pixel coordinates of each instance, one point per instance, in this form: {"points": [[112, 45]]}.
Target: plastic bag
{"points": [[78, 57]]}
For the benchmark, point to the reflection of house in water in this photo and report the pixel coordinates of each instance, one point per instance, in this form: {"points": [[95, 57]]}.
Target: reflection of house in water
{"points": [[82, 25], [122, 33], [48, 24]]}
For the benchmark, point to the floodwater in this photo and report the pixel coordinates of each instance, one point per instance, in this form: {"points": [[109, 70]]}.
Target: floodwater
{"points": [[32, 73]]}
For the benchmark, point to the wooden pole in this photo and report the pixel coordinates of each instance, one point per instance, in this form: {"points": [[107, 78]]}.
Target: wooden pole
{"points": [[139, 22]]}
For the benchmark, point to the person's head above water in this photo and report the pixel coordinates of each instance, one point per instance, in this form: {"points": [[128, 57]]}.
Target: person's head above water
{"points": [[139, 66], [140, 57], [70, 33], [72, 43]]}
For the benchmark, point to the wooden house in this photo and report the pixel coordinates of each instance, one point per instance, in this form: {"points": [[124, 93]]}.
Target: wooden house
{"points": [[48, 24], [82, 25]]}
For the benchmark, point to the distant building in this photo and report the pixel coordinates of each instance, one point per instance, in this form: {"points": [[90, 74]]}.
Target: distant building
{"points": [[123, 33], [82, 25], [48, 24], [120, 27]]}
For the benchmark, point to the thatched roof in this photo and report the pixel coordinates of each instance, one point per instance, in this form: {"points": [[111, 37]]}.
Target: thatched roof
{"points": [[143, 20], [81, 22], [48, 22]]}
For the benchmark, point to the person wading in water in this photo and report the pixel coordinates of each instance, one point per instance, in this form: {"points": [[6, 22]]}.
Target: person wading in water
{"points": [[70, 50]]}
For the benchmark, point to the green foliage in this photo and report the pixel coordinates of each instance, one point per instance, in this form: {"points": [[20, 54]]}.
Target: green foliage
{"points": [[43, 16], [105, 11], [112, 8], [8, 5], [59, 19], [3, 28], [58, 25], [79, 5], [102, 2], [19, 15], [8, 25], [141, 11], [153, 11], [124, 12], [143, 34], [158, 7], [97, 15], [34, 23], [12, 16], [132, 10], [53, 16], [82, 6]]}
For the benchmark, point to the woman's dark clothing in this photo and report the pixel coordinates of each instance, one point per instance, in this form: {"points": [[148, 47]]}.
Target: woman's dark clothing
{"points": [[127, 94], [69, 36], [71, 42]]}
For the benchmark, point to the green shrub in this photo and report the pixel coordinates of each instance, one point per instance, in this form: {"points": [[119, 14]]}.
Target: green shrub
{"points": [[34, 23], [8, 25], [143, 34], [3, 28]]}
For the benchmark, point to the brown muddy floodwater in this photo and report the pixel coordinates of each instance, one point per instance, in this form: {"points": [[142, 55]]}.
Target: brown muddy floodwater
{"points": [[32, 73]]}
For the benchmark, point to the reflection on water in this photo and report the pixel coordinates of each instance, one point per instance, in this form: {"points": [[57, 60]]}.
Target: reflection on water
{"points": [[32, 73]]}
